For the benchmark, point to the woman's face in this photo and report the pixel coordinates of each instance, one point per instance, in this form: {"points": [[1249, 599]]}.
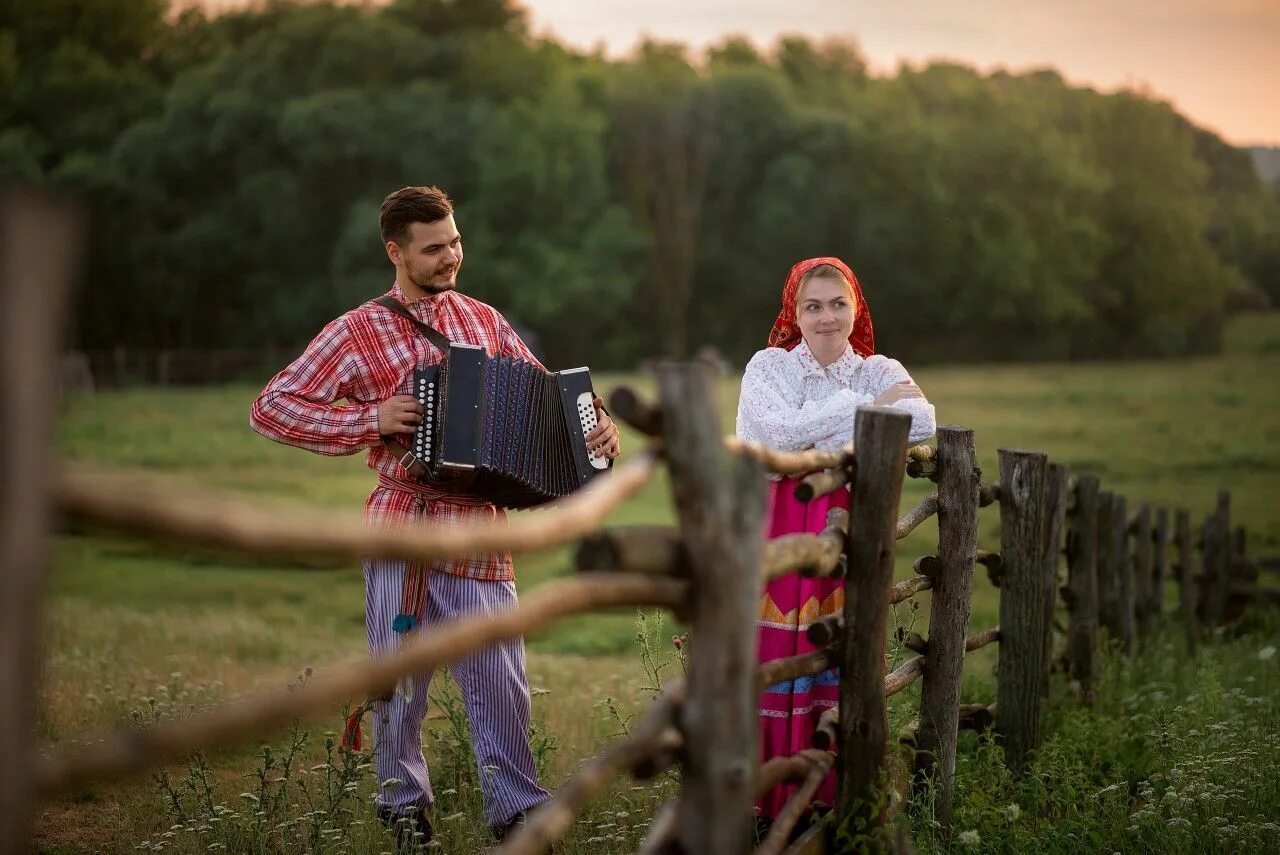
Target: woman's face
{"points": [[824, 312]]}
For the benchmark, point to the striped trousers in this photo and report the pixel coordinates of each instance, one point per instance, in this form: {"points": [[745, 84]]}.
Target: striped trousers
{"points": [[494, 691]]}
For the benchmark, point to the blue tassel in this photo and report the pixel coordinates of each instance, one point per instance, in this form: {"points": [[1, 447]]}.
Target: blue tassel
{"points": [[404, 623]]}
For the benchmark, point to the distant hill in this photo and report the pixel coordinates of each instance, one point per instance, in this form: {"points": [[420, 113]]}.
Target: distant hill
{"points": [[1267, 161]]}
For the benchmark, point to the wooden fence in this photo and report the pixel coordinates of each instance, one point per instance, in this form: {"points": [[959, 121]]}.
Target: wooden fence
{"points": [[708, 571]]}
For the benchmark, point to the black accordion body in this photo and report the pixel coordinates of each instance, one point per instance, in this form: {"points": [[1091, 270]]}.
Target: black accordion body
{"points": [[503, 429]]}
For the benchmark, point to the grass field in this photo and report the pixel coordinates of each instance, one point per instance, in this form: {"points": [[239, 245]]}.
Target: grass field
{"points": [[135, 629]]}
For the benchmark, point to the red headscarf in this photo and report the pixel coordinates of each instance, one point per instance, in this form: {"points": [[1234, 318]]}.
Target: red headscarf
{"points": [[786, 330]]}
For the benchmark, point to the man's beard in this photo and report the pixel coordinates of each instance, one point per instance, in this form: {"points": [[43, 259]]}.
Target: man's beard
{"points": [[426, 284]]}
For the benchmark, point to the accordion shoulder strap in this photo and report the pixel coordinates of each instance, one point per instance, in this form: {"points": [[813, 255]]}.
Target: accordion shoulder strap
{"points": [[433, 335]]}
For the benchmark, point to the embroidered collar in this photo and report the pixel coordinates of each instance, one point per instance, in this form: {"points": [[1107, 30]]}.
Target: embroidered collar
{"points": [[842, 369], [431, 300]]}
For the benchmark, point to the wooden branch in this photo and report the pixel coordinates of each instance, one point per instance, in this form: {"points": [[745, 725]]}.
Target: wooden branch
{"points": [[39, 255], [777, 671], [720, 502], [904, 675], [1258, 592], [661, 839], [1143, 569], [1217, 560], [990, 560], [922, 469], [1123, 558], [881, 441], [666, 753], [789, 462], [977, 716], [551, 820], [908, 588], [799, 802], [1160, 564], [649, 549], [1055, 522], [626, 404], [826, 736], [1022, 522], [132, 751], [979, 640], [949, 616], [988, 494], [780, 770], [926, 565], [994, 564], [824, 482], [1082, 576], [915, 642], [1186, 587], [658, 550], [927, 507], [813, 842], [970, 717], [826, 631], [806, 554], [207, 519]]}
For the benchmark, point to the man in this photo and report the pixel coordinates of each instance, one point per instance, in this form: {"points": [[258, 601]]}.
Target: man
{"points": [[366, 359]]}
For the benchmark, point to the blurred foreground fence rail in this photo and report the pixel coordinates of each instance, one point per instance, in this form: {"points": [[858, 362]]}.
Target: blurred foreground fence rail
{"points": [[707, 570]]}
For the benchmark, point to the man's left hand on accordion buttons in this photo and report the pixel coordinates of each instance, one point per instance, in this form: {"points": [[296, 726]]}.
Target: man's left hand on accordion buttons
{"points": [[604, 436]]}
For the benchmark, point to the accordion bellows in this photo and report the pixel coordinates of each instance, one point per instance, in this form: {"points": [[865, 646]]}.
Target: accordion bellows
{"points": [[516, 431]]}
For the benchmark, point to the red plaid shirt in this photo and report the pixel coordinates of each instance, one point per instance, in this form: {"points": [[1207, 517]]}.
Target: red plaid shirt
{"points": [[362, 358]]}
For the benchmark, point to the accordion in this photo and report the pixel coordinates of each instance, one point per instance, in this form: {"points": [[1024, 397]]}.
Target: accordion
{"points": [[504, 430]]}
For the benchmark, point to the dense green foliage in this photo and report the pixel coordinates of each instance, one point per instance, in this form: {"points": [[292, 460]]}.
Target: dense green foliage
{"points": [[615, 208]]}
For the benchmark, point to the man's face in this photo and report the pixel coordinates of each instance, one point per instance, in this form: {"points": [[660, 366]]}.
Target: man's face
{"points": [[431, 256]]}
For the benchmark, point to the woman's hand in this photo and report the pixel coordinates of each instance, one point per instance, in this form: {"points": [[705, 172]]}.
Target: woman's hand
{"points": [[900, 391], [604, 436]]}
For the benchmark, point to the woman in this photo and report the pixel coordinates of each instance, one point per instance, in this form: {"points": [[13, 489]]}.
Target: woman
{"points": [[802, 392]]}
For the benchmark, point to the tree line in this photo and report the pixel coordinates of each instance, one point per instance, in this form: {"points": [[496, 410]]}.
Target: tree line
{"points": [[616, 208]]}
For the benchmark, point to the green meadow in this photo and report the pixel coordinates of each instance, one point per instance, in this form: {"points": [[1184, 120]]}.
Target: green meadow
{"points": [[137, 630]]}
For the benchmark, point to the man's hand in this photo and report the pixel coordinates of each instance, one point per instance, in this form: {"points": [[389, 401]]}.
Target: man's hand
{"points": [[604, 437], [899, 391], [399, 414]]}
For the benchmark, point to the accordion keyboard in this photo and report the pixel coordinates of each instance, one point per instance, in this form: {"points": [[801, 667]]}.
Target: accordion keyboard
{"points": [[426, 394], [587, 416]]}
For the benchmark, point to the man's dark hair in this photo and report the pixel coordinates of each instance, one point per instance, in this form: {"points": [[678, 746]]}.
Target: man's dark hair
{"points": [[410, 205]]}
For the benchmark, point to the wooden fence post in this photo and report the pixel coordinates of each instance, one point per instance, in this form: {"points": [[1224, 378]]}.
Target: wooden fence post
{"points": [[1243, 580], [1142, 569], [1217, 560], [1123, 571], [1082, 585], [720, 502], [1055, 515], [958, 481], [1160, 572], [880, 452], [1108, 579], [1022, 521], [39, 242], [1186, 578]]}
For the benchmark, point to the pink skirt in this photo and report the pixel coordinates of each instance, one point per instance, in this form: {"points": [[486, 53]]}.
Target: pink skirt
{"points": [[790, 710]]}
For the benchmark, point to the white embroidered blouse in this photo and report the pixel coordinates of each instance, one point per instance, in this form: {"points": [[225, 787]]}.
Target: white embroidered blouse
{"points": [[791, 403]]}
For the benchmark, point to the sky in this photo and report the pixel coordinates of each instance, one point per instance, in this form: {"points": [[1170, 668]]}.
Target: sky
{"points": [[1218, 61]]}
